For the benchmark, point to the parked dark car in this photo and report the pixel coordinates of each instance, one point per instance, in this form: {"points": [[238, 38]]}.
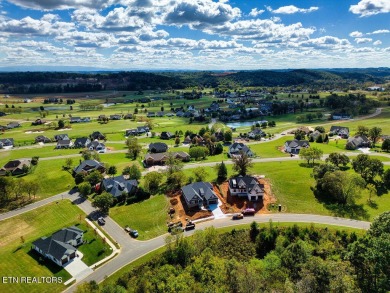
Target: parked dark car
{"points": [[101, 221], [238, 216]]}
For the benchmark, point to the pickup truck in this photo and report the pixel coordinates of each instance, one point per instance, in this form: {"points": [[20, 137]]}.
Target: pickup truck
{"points": [[133, 233], [175, 226], [190, 226]]}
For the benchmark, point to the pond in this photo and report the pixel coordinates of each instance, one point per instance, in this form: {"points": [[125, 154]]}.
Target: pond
{"points": [[242, 124], [50, 108]]}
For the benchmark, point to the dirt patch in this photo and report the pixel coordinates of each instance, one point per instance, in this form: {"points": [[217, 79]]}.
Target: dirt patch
{"points": [[234, 204], [182, 212]]}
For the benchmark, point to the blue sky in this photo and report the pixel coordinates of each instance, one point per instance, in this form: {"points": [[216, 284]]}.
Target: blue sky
{"points": [[195, 34]]}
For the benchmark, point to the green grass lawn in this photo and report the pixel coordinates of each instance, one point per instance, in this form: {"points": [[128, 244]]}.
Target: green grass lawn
{"points": [[41, 152], [291, 184], [51, 178], [95, 249], [149, 217], [17, 260]]}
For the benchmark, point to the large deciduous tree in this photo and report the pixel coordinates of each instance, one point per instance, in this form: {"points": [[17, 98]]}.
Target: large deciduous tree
{"points": [[368, 168], [134, 148], [173, 164], [341, 186], [241, 163], [152, 181], [103, 202], [200, 174], [85, 189], [310, 154], [338, 159], [198, 152], [362, 130], [133, 171], [374, 134], [386, 145]]}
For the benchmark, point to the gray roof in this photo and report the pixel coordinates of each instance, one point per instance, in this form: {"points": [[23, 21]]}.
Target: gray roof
{"points": [[56, 245], [97, 135], [117, 185], [337, 129], [63, 142], [297, 143], [358, 140], [238, 147], [66, 234], [7, 141], [158, 147], [251, 183], [53, 247], [81, 141], [95, 144], [87, 166], [63, 136], [202, 190]]}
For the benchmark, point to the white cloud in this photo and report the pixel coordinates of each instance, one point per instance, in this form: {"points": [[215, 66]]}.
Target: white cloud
{"points": [[379, 32], [255, 12], [377, 43], [326, 42], [262, 30], [370, 7], [356, 34], [62, 4], [363, 40], [48, 25], [200, 14], [291, 9]]}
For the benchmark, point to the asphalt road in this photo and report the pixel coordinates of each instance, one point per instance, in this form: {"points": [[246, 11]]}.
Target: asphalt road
{"points": [[133, 249]]}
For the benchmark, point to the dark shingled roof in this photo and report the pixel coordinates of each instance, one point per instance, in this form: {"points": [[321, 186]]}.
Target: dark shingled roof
{"points": [[117, 185], [198, 189], [87, 165]]}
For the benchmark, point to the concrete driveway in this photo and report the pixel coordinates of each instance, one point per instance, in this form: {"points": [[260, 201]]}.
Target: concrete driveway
{"points": [[77, 268], [216, 210]]}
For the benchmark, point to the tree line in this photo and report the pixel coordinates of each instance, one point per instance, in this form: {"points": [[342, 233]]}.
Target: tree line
{"points": [[265, 259]]}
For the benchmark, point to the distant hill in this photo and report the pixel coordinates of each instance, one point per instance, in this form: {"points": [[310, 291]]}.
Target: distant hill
{"points": [[68, 81]]}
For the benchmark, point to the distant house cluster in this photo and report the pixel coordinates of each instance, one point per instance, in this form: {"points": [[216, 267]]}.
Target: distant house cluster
{"points": [[61, 246], [64, 142], [140, 130]]}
